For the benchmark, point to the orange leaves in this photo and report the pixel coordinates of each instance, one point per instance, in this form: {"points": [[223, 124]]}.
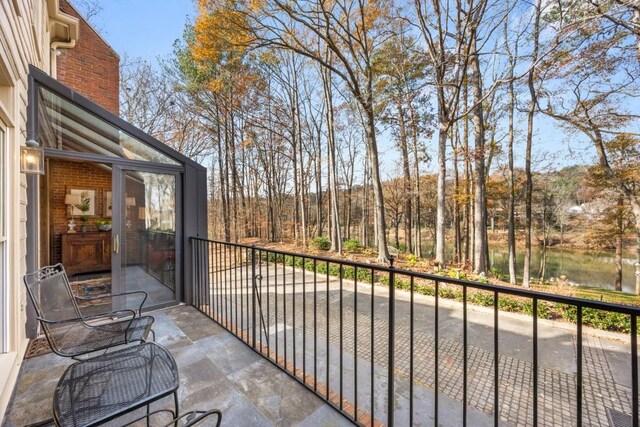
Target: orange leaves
{"points": [[222, 31]]}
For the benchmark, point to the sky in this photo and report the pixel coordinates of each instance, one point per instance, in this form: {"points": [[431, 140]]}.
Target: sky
{"points": [[143, 28], [147, 29]]}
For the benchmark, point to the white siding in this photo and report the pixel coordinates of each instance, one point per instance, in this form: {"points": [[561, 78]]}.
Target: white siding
{"points": [[24, 40]]}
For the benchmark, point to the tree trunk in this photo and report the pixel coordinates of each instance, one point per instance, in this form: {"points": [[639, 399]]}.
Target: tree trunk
{"points": [[466, 253], [416, 188], [511, 239], [456, 197], [222, 170], [407, 179], [635, 208], [481, 246], [297, 145], [336, 239], [526, 271], [619, 236], [545, 238], [378, 198], [441, 196]]}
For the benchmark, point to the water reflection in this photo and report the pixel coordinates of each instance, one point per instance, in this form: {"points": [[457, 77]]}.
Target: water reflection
{"points": [[585, 268], [596, 269]]}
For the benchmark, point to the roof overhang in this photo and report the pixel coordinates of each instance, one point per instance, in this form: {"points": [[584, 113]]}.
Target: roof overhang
{"points": [[63, 28]]}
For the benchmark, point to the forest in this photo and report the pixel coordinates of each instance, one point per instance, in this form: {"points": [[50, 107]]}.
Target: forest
{"points": [[431, 127]]}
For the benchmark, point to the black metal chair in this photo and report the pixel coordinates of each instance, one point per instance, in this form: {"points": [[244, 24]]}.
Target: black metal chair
{"points": [[187, 419], [68, 331]]}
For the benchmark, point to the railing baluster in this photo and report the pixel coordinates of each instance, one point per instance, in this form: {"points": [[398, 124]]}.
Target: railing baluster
{"points": [[235, 288], [391, 340], [328, 332], [304, 319], [218, 284], [293, 309], [284, 307], [277, 326], [371, 350], [261, 307], [465, 348], [315, 325], [355, 344], [269, 309], [241, 267], [435, 351], [634, 369], [535, 362], [211, 280], [496, 361], [253, 296], [411, 333], [226, 288], [341, 273], [579, 367]]}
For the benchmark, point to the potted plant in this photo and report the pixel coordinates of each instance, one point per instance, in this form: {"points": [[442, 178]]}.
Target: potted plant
{"points": [[84, 206]]}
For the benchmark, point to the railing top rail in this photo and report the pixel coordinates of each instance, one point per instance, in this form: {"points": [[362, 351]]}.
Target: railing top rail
{"points": [[526, 293]]}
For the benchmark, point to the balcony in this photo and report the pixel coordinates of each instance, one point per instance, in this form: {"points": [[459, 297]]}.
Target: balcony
{"points": [[276, 338], [215, 368]]}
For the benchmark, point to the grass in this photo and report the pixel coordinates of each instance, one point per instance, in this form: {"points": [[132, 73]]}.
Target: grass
{"points": [[607, 295]]}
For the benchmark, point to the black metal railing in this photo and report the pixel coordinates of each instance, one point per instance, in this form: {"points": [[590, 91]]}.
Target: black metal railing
{"points": [[428, 348]]}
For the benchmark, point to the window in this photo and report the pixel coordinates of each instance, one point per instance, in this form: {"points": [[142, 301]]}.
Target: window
{"points": [[4, 320], [63, 125]]}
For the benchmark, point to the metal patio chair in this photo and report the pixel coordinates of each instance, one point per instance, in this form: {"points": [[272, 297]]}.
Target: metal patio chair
{"points": [[187, 419], [68, 331]]}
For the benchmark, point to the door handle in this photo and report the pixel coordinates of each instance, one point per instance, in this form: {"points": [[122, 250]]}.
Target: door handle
{"points": [[116, 243]]}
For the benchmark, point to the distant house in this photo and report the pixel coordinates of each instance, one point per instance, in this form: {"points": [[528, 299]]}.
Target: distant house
{"points": [[575, 210], [59, 83]]}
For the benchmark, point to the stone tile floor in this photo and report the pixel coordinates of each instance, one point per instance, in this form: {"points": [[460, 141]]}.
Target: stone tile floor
{"points": [[216, 371]]}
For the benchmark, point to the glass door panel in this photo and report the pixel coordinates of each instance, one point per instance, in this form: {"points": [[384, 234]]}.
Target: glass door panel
{"points": [[146, 239]]}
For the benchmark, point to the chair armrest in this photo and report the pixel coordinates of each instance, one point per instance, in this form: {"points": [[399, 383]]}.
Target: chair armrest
{"points": [[116, 313], [102, 296], [59, 322]]}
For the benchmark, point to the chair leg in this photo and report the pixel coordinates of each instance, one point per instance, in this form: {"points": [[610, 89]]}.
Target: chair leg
{"points": [[175, 403]]}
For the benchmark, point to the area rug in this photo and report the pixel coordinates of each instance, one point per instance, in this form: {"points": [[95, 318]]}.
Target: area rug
{"points": [[37, 347]]}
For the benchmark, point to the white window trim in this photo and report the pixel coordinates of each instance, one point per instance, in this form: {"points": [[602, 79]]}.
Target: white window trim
{"points": [[4, 278]]}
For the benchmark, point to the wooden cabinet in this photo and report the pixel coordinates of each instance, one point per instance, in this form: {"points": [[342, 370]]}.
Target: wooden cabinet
{"points": [[86, 252]]}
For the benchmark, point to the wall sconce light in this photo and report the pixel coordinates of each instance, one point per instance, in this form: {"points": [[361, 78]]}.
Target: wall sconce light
{"points": [[32, 158]]}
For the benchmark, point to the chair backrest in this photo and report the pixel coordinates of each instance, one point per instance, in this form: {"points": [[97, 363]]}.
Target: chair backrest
{"points": [[50, 292]]}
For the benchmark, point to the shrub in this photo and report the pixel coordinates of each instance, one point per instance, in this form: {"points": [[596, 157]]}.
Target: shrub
{"points": [[412, 260], [321, 243], [600, 319], [351, 245]]}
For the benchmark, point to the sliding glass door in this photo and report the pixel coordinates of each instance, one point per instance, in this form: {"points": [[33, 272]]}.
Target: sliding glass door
{"points": [[146, 233]]}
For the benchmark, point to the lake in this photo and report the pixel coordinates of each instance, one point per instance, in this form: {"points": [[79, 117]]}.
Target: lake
{"points": [[585, 268]]}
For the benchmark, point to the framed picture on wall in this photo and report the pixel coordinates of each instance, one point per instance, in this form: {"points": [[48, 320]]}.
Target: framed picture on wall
{"points": [[87, 202], [108, 201]]}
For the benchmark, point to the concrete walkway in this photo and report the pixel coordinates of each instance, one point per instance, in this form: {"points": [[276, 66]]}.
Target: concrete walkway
{"points": [[338, 336]]}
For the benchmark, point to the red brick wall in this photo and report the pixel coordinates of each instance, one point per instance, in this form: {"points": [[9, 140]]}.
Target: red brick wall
{"points": [[63, 175], [91, 67]]}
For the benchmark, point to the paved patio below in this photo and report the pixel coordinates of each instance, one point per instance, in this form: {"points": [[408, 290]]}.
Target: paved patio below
{"points": [[216, 371]]}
